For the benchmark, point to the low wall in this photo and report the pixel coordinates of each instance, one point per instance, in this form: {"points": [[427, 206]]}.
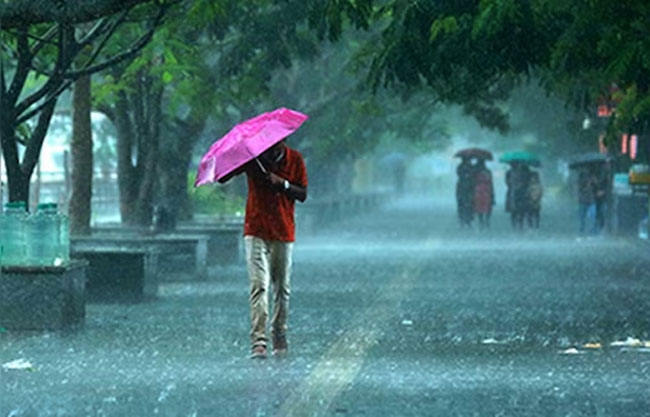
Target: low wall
{"points": [[43, 298]]}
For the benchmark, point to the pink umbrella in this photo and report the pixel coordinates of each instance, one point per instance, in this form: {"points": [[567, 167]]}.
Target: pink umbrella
{"points": [[246, 141]]}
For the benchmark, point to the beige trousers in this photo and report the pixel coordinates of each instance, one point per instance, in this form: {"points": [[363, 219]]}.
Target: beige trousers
{"points": [[268, 263]]}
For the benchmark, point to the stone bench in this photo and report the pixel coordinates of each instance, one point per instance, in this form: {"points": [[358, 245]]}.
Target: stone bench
{"points": [[118, 273], [179, 253], [225, 242], [43, 298]]}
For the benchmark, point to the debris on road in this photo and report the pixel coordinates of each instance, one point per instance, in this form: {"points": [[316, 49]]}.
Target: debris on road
{"points": [[19, 364], [492, 341], [631, 342], [571, 351]]}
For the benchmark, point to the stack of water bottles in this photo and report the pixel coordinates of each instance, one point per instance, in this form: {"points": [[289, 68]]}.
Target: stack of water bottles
{"points": [[41, 238]]}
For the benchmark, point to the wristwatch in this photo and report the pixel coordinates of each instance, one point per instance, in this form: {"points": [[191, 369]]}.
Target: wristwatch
{"points": [[286, 185]]}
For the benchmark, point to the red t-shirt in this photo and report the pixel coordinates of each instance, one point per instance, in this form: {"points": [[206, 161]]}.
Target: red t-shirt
{"points": [[270, 213]]}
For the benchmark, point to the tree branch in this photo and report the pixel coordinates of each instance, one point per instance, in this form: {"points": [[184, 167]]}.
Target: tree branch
{"points": [[50, 86], [52, 97], [29, 12], [109, 33], [95, 31], [22, 71], [36, 141], [54, 79], [42, 41], [135, 49]]}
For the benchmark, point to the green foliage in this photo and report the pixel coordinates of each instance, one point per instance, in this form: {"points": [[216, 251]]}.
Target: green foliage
{"points": [[493, 15], [210, 199], [445, 26], [475, 53], [465, 53], [24, 132]]}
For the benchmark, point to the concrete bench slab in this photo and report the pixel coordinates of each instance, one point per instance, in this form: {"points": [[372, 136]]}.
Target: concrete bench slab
{"points": [[178, 252], [43, 298], [225, 242], [118, 273]]}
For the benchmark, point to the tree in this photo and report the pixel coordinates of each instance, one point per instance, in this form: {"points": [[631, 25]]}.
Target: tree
{"points": [[347, 120], [209, 58], [604, 54], [42, 49], [475, 53]]}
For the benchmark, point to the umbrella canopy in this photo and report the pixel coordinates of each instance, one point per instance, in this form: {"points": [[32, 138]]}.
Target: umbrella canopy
{"points": [[590, 158], [522, 157], [245, 142], [477, 153]]}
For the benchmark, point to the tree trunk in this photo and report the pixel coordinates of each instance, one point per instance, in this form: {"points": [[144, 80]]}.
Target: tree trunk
{"points": [[173, 171], [128, 182], [19, 173], [175, 157], [148, 116], [137, 119], [82, 159], [17, 184]]}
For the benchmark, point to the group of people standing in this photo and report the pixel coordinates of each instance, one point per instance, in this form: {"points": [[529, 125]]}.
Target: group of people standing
{"points": [[475, 194]]}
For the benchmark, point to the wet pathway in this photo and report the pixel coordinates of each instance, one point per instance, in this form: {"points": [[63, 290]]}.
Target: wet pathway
{"points": [[397, 313]]}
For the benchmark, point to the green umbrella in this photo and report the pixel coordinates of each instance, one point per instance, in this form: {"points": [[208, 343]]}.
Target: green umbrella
{"points": [[521, 157]]}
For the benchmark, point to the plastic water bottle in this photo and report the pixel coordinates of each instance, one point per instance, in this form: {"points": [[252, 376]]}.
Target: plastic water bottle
{"points": [[12, 237], [42, 236], [55, 256]]}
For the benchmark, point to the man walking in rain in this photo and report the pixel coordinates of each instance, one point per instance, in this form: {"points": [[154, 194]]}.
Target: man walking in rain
{"points": [[275, 180]]}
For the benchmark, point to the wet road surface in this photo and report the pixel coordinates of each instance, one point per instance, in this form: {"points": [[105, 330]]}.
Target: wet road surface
{"points": [[397, 313]]}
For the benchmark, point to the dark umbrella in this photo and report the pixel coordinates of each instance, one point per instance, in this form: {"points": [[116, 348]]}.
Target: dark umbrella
{"points": [[590, 158], [477, 153]]}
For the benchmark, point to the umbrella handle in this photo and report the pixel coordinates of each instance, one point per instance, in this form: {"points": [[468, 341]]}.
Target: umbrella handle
{"points": [[259, 164]]}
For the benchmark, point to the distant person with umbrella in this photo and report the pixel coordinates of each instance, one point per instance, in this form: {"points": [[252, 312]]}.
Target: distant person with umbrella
{"points": [[594, 190], [587, 190], [466, 184], [517, 178], [277, 177], [518, 181], [465, 192], [534, 200], [483, 193]]}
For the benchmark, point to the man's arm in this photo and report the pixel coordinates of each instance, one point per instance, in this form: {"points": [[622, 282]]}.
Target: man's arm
{"points": [[234, 173], [293, 191], [249, 167]]}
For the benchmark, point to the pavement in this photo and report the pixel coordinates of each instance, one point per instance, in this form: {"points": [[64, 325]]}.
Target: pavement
{"points": [[394, 313]]}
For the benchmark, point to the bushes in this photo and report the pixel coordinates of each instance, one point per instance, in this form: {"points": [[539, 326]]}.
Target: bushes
{"points": [[210, 199]]}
